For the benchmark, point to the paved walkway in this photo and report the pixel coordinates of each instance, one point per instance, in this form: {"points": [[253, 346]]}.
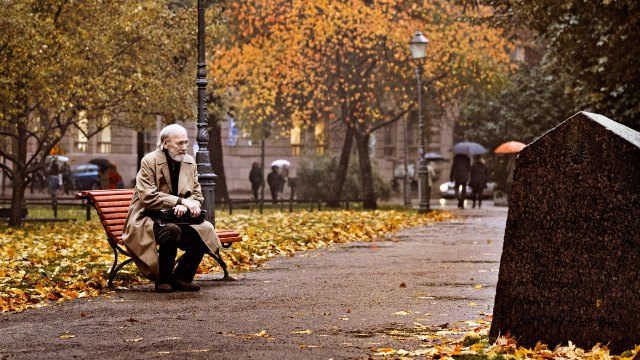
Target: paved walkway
{"points": [[333, 303]]}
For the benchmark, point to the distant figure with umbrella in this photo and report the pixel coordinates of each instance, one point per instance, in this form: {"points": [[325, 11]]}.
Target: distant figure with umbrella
{"points": [[510, 148], [276, 182], [461, 168], [108, 174], [479, 179], [460, 171]]}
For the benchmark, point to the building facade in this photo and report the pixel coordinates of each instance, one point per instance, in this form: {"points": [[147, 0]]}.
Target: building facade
{"points": [[392, 147]]}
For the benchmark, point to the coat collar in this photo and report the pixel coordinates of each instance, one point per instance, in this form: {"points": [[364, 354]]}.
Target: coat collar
{"points": [[162, 161]]}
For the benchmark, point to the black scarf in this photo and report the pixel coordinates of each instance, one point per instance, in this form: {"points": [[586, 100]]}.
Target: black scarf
{"points": [[174, 172]]}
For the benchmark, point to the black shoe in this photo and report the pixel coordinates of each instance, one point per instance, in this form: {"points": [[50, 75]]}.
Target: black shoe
{"points": [[163, 288], [179, 285]]}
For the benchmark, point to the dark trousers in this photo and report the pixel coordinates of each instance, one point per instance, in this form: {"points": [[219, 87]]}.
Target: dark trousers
{"points": [[254, 189], [476, 195], [461, 194], [169, 238], [274, 195]]}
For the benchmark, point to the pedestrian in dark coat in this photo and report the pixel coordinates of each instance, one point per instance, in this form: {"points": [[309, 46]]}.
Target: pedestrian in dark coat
{"points": [[256, 179], [276, 182], [460, 171], [479, 179]]}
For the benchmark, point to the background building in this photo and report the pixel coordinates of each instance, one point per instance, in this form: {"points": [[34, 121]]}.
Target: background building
{"points": [[119, 146]]}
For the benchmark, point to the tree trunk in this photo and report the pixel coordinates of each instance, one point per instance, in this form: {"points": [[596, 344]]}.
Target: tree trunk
{"points": [[19, 184], [343, 167], [366, 173], [17, 199], [216, 156]]}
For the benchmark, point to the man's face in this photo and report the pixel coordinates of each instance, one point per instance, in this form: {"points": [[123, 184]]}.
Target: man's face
{"points": [[177, 146]]}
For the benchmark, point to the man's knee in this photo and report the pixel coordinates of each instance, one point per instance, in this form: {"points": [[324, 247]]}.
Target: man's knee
{"points": [[172, 229], [168, 234]]}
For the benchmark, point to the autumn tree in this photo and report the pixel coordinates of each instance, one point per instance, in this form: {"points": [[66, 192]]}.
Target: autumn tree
{"points": [[94, 61], [347, 62], [589, 48]]}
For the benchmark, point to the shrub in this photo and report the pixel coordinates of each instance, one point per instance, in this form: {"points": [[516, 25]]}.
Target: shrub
{"points": [[316, 179]]}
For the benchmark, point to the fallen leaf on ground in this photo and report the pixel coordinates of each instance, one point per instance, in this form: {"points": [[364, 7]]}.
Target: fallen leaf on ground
{"points": [[401, 313]]}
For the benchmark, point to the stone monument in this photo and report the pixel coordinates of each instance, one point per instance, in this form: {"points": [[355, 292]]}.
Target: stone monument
{"points": [[570, 267]]}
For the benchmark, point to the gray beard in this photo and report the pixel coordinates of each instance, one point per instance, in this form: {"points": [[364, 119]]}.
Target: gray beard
{"points": [[175, 156]]}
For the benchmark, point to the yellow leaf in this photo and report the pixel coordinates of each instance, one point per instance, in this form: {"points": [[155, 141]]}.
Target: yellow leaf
{"points": [[383, 351], [401, 313], [262, 333]]}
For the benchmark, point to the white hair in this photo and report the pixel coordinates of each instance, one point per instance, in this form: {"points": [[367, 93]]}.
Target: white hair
{"points": [[170, 131]]}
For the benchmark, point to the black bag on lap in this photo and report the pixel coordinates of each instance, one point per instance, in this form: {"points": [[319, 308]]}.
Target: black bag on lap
{"points": [[167, 216]]}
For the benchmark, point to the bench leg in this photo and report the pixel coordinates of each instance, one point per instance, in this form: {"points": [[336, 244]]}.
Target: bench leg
{"points": [[115, 267], [115, 270], [223, 265]]}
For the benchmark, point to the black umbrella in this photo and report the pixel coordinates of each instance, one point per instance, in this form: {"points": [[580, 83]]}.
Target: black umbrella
{"points": [[101, 162], [468, 148]]}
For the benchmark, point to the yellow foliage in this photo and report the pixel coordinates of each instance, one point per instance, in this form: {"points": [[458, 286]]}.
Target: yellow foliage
{"points": [[473, 342], [41, 263]]}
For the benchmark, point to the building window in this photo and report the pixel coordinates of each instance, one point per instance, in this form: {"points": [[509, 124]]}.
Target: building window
{"points": [[81, 141], [388, 140], [295, 141], [104, 138], [320, 136]]}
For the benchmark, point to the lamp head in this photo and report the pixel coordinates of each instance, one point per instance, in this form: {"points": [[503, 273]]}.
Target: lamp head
{"points": [[418, 45]]}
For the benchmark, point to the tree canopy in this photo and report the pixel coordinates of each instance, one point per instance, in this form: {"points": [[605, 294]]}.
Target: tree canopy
{"points": [[290, 64], [94, 61], [589, 48]]}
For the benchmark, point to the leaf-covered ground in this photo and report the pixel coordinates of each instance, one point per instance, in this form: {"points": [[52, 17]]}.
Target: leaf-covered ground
{"points": [[469, 340], [45, 263], [41, 263]]}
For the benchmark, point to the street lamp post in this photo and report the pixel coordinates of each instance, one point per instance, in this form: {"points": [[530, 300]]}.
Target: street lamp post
{"points": [[206, 176], [418, 46]]}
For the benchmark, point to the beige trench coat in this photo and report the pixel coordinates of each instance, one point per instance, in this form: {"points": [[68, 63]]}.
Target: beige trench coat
{"points": [[153, 191]]}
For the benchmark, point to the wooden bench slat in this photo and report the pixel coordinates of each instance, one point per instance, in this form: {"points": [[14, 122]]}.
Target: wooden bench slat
{"points": [[92, 193], [111, 210], [112, 222], [115, 215], [120, 197], [112, 204], [115, 228]]}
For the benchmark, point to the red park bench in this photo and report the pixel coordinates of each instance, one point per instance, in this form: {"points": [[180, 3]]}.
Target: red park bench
{"points": [[112, 207]]}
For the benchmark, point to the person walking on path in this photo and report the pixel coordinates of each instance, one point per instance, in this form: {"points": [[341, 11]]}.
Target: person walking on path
{"points": [[479, 179], [460, 171], [66, 178], [256, 178], [168, 178], [276, 182], [54, 177]]}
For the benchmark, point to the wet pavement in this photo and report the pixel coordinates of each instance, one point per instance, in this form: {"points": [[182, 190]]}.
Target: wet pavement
{"points": [[335, 303]]}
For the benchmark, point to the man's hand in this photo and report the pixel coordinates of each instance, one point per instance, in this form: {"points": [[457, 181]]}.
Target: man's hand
{"points": [[191, 205]]}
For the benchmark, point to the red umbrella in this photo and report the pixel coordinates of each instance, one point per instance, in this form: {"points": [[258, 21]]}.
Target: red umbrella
{"points": [[510, 147]]}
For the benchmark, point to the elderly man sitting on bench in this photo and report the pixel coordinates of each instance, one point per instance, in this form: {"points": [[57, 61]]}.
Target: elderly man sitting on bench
{"points": [[168, 180]]}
